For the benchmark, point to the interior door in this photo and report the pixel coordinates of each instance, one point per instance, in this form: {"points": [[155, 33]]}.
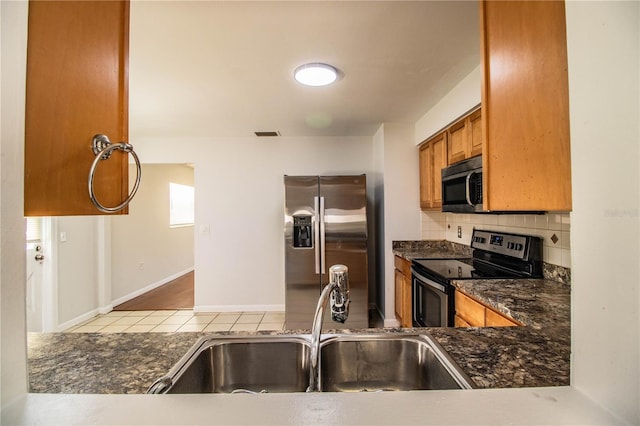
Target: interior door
{"points": [[34, 287], [77, 87]]}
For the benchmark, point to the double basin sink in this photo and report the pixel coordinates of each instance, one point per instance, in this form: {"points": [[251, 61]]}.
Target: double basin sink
{"points": [[348, 363]]}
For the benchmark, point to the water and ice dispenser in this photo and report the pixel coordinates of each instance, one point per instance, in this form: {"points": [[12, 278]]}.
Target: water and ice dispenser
{"points": [[302, 231]]}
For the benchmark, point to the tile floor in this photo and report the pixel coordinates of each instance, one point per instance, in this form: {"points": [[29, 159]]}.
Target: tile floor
{"points": [[180, 320]]}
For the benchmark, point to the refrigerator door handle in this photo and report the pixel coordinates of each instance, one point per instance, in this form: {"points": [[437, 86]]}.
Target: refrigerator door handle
{"points": [[316, 233], [322, 239]]}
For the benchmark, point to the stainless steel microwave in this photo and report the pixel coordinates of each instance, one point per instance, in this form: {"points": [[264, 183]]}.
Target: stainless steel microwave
{"points": [[462, 186]]}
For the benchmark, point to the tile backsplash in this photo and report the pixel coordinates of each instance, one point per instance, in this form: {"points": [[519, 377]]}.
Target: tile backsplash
{"points": [[554, 228]]}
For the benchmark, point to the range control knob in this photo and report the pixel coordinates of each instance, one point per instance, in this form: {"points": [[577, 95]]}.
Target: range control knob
{"points": [[518, 247], [511, 246]]}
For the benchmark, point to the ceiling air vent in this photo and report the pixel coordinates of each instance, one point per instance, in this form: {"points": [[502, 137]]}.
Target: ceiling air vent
{"points": [[264, 134]]}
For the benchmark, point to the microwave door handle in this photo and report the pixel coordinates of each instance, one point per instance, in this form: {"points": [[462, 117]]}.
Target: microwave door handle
{"points": [[468, 189]]}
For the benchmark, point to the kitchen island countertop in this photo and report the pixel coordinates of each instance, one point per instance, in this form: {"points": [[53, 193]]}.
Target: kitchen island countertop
{"points": [[535, 355]]}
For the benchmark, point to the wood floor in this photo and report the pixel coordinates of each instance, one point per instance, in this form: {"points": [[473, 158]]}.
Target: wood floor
{"points": [[176, 294]]}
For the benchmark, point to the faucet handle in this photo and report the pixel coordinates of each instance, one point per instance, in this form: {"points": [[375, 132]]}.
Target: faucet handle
{"points": [[339, 299]]}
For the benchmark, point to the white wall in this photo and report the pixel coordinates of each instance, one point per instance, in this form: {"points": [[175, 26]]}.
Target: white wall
{"points": [[604, 53], [239, 242], [13, 35], [397, 163], [77, 267], [145, 251], [462, 98]]}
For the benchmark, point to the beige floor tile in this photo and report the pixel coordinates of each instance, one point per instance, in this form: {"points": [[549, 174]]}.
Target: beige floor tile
{"points": [[200, 319], [188, 312], [117, 314], [192, 327], [244, 327], [271, 326], [101, 320], [165, 328], [139, 313], [114, 329], [126, 320], [250, 319], [226, 318], [176, 320], [88, 329], [218, 327], [165, 313], [273, 317], [152, 320], [143, 328]]}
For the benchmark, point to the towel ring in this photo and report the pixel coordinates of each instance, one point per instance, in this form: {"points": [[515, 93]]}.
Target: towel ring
{"points": [[103, 148]]}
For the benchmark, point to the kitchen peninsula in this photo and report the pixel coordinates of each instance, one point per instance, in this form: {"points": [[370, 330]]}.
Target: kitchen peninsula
{"points": [[536, 354]]}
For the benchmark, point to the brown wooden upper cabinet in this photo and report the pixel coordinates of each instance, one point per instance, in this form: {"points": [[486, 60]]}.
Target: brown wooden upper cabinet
{"points": [[525, 106], [77, 86], [433, 157], [465, 138]]}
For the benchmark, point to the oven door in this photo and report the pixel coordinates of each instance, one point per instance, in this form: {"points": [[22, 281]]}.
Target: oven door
{"points": [[430, 302]]}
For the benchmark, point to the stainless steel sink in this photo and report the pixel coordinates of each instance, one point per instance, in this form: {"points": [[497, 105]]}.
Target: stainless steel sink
{"points": [[348, 363], [361, 363], [257, 364]]}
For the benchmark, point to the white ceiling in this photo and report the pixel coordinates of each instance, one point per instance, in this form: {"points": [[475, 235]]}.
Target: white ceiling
{"points": [[225, 69]]}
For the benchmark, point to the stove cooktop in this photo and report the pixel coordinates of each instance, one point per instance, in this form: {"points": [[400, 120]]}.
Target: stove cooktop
{"points": [[460, 269]]}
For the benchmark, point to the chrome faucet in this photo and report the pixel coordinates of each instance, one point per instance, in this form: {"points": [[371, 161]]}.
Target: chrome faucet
{"points": [[337, 291]]}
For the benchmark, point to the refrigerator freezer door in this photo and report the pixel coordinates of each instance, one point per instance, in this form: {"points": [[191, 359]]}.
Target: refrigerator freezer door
{"points": [[301, 281]]}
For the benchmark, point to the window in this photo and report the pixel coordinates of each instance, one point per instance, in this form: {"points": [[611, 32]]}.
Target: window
{"points": [[181, 205]]}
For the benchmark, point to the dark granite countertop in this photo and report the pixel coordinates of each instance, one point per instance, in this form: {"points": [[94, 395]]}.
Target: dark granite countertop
{"points": [[537, 354], [430, 249]]}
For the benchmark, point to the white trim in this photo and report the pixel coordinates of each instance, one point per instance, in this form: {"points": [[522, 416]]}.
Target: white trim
{"points": [[150, 287], [50, 275], [77, 320], [238, 308]]}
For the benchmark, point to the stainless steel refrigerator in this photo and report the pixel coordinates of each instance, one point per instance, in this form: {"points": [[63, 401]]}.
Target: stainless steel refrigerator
{"points": [[325, 223]]}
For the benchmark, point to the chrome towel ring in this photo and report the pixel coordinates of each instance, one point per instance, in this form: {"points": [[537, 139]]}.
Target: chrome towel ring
{"points": [[103, 148]]}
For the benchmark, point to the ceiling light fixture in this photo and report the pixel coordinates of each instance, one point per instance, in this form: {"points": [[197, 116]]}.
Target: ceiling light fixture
{"points": [[316, 74]]}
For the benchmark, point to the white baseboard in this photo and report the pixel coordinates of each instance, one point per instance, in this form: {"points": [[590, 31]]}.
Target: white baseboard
{"points": [[238, 308], [77, 320], [150, 287]]}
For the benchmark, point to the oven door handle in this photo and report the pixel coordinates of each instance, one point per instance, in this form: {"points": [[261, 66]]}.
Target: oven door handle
{"points": [[428, 282]]}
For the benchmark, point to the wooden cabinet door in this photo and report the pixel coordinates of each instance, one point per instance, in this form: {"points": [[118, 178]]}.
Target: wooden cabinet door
{"points": [[458, 148], [399, 287], [525, 106], [439, 149], [475, 133], [469, 310], [77, 64], [426, 184], [407, 311], [494, 319], [433, 157]]}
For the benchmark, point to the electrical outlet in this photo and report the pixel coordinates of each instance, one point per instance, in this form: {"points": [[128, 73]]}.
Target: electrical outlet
{"points": [[459, 231], [141, 265]]}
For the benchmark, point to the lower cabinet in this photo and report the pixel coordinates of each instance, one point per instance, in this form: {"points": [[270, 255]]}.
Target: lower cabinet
{"points": [[471, 313], [402, 280]]}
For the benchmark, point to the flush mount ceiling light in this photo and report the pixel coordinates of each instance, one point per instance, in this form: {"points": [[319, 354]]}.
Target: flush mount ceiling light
{"points": [[316, 74]]}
